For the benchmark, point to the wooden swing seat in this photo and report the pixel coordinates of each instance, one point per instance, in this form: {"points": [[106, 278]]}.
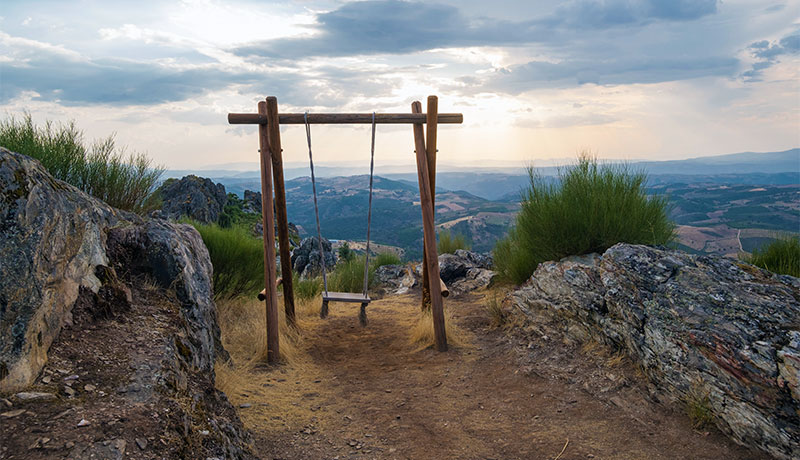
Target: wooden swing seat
{"points": [[353, 297]]}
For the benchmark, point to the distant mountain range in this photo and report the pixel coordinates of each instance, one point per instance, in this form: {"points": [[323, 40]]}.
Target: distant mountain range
{"points": [[723, 204], [504, 184]]}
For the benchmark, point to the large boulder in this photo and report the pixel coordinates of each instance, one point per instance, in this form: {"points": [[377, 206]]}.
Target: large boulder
{"points": [[194, 197], [465, 271], [51, 239], [704, 329], [307, 260], [71, 270]]}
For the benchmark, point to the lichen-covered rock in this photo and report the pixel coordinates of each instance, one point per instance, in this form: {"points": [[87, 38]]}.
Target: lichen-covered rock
{"points": [[176, 258], [65, 259], [252, 202], [704, 324], [195, 197], [51, 240], [307, 260], [398, 279], [465, 271]]}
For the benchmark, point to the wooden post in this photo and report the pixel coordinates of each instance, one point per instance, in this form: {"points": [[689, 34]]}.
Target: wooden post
{"points": [[432, 117], [429, 231], [274, 135], [273, 352]]}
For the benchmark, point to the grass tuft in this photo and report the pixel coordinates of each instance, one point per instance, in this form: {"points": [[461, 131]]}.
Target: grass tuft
{"points": [[449, 242], [124, 181], [498, 316], [781, 256], [348, 276], [588, 209], [385, 258], [698, 407], [422, 332], [237, 257]]}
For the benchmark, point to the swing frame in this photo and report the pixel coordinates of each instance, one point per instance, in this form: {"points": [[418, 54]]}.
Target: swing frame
{"points": [[269, 120]]}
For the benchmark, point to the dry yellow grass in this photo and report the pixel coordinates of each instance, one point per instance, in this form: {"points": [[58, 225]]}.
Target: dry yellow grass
{"points": [[422, 331]]}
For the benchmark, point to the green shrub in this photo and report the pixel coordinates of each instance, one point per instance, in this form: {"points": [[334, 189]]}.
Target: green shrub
{"points": [[449, 242], [305, 289], [237, 257], [781, 256], [588, 209], [348, 276], [103, 171], [345, 253], [385, 258]]}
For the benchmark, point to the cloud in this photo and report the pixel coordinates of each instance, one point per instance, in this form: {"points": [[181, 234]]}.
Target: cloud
{"points": [[766, 54], [400, 27]]}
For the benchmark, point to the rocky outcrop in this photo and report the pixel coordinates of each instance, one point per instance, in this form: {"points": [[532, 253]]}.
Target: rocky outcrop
{"points": [[252, 202], [307, 260], [74, 283], [463, 271], [194, 197], [696, 325], [398, 279], [51, 240]]}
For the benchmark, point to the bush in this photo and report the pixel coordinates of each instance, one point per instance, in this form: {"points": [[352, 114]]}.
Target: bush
{"points": [[306, 289], [349, 276], [237, 257], [105, 172], [588, 209], [345, 253], [385, 258], [449, 242], [781, 256]]}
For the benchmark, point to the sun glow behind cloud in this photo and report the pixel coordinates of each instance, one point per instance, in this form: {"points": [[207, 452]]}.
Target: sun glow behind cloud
{"points": [[633, 79]]}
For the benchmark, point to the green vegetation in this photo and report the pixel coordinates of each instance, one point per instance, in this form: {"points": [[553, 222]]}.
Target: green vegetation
{"points": [[349, 276], [449, 242], [589, 209], [780, 256], [125, 181], [237, 257], [345, 253], [385, 258], [306, 289]]}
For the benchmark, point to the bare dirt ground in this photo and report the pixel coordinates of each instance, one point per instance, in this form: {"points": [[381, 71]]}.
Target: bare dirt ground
{"points": [[358, 392]]}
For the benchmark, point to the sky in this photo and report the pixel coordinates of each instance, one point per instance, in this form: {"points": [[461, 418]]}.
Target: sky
{"points": [[535, 80]]}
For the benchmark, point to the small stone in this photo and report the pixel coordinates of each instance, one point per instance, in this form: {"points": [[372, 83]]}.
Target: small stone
{"points": [[245, 405], [13, 413], [204, 433], [46, 379], [7, 402], [83, 422], [69, 445], [89, 387], [69, 391], [71, 377], [142, 443], [34, 396]]}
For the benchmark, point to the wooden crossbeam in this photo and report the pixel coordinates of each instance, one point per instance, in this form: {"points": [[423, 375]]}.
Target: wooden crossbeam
{"points": [[343, 118]]}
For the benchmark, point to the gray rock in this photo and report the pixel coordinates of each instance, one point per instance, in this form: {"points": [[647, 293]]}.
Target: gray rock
{"points": [[398, 279], [706, 324], [306, 259], [34, 396], [51, 240], [175, 256], [252, 202], [195, 197], [476, 259]]}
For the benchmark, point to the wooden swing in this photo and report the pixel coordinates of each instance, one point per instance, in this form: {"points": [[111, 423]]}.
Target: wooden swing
{"points": [[269, 121]]}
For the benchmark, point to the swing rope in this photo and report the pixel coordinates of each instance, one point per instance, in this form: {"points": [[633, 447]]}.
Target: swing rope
{"points": [[369, 211], [316, 204]]}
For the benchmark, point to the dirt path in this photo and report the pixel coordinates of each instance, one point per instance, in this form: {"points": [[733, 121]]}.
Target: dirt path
{"points": [[367, 393]]}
